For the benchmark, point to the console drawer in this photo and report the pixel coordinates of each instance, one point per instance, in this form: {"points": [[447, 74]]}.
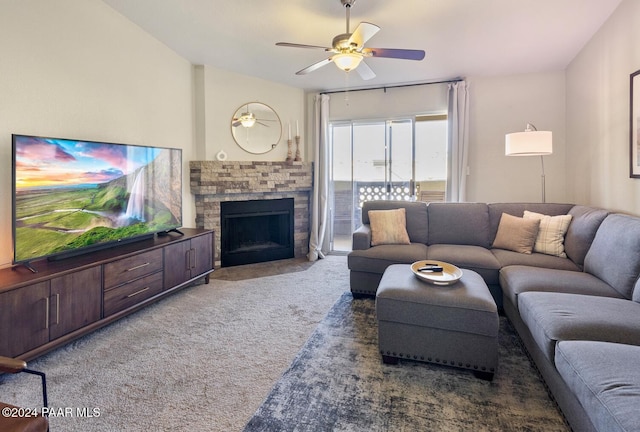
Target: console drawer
{"points": [[128, 269], [127, 295]]}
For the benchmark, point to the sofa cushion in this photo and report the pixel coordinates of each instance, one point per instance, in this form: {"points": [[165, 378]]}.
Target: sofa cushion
{"points": [[614, 255], [509, 258], [518, 279], [416, 216], [550, 239], [388, 227], [552, 317], [517, 209], [378, 258], [471, 222], [581, 231], [516, 234], [605, 379], [474, 258]]}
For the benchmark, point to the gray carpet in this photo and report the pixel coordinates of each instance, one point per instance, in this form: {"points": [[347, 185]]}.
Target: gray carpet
{"points": [[202, 359], [338, 383]]}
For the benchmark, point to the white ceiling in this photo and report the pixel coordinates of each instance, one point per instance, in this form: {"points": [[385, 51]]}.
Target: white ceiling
{"points": [[462, 38]]}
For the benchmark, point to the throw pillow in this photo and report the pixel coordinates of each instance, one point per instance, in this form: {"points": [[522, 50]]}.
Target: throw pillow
{"points": [[388, 227], [516, 234], [551, 234]]}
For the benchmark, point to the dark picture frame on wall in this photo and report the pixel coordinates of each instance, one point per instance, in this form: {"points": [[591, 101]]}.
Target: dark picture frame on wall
{"points": [[634, 125]]}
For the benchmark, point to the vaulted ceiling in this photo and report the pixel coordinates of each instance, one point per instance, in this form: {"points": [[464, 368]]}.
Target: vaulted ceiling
{"points": [[462, 38]]}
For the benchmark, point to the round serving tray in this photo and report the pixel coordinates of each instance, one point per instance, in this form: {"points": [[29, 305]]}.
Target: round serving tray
{"points": [[448, 276]]}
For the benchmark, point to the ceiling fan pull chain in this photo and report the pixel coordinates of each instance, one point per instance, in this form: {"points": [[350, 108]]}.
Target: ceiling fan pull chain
{"points": [[346, 89]]}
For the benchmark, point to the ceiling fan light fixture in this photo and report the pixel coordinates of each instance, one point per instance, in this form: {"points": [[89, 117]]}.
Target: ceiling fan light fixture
{"points": [[347, 61], [247, 119]]}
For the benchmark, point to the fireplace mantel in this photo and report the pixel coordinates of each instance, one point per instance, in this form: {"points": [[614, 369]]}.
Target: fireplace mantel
{"points": [[215, 181]]}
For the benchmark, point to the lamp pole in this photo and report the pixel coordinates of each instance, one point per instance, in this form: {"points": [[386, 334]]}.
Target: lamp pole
{"points": [[543, 185]]}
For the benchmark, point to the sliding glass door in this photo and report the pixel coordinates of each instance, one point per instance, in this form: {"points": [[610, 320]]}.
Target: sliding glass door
{"points": [[401, 165], [371, 160], [400, 159]]}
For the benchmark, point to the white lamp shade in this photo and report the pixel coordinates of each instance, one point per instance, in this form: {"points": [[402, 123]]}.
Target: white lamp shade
{"points": [[533, 143], [347, 61]]}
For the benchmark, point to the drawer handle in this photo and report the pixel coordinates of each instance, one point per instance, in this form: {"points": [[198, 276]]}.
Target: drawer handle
{"points": [[46, 312], [137, 267], [57, 308], [138, 292]]}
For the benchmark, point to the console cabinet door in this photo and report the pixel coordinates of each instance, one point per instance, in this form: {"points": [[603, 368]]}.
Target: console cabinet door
{"points": [[187, 259], [75, 301], [24, 322], [201, 254], [177, 267]]}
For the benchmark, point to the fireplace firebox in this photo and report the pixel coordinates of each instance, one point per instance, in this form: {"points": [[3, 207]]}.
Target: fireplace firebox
{"points": [[256, 231]]}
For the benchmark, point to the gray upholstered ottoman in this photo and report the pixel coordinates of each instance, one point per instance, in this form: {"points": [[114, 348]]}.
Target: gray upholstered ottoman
{"points": [[455, 325]]}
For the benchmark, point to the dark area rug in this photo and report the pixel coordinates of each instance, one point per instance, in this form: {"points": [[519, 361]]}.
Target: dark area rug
{"points": [[338, 382]]}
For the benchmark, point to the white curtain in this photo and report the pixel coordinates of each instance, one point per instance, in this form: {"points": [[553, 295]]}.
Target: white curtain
{"points": [[318, 242], [458, 145]]}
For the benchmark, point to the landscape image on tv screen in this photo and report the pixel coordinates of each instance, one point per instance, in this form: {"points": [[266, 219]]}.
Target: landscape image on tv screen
{"points": [[70, 194]]}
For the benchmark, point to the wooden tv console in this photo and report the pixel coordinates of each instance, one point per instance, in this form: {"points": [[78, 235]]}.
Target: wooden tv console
{"points": [[69, 298]]}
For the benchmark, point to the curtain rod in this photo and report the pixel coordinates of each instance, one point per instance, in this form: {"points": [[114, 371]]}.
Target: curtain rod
{"points": [[394, 86]]}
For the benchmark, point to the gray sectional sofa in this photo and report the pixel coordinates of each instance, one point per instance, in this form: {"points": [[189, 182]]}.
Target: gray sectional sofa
{"points": [[578, 316]]}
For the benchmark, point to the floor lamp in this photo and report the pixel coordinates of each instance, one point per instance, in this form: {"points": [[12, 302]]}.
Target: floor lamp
{"points": [[531, 142]]}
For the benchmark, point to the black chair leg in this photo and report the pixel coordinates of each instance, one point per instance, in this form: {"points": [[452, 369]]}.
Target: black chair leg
{"points": [[44, 384]]}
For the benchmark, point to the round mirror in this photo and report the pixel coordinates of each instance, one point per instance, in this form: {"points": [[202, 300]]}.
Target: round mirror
{"points": [[256, 128]]}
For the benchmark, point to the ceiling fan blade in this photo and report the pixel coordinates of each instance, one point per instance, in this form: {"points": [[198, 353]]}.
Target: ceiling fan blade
{"points": [[314, 66], [365, 71], [363, 33], [405, 54], [294, 45]]}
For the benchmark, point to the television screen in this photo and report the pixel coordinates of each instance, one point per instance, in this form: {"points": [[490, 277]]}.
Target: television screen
{"points": [[70, 195]]}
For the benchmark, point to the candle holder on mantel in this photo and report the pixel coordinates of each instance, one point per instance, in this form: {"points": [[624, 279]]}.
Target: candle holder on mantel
{"points": [[289, 153], [298, 158]]}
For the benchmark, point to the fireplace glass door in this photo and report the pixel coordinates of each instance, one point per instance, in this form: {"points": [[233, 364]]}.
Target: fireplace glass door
{"points": [[256, 231]]}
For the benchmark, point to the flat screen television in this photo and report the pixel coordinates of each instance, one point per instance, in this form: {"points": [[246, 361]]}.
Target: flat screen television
{"points": [[70, 196]]}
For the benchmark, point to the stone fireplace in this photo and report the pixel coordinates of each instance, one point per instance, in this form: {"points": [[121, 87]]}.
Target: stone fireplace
{"points": [[215, 182]]}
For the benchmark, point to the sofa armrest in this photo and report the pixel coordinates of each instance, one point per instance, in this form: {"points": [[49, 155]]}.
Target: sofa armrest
{"points": [[361, 238]]}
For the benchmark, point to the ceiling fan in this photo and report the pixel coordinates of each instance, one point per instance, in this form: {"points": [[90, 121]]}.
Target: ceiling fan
{"points": [[248, 119], [349, 51]]}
